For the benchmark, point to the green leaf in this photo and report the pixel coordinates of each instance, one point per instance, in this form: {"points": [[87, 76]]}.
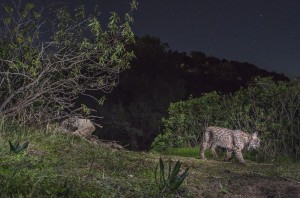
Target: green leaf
{"points": [[22, 147], [11, 146], [180, 179], [175, 171], [162, 171], [170, 168]]}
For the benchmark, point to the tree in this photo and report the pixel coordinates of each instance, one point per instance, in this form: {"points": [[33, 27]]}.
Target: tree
{"points": [[40, 78]]}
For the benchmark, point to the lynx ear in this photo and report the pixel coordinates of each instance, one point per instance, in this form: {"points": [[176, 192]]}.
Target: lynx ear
{"points": [[254, 135]]}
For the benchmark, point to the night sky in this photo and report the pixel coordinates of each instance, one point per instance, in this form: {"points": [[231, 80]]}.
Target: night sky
{"points": [[263, 32]]}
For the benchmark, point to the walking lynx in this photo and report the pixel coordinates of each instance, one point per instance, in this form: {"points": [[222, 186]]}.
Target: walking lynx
{"points": [[232, 140]]}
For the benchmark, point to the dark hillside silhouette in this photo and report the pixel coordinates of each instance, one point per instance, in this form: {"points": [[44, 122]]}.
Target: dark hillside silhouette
{"points": [[205, 74]]}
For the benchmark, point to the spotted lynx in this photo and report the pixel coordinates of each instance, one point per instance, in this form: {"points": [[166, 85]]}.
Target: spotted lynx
{"points": [[232, 140]]}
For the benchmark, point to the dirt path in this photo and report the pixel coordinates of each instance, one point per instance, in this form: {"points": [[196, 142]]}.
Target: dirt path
{"points": [[213, 178], [252, 186]]}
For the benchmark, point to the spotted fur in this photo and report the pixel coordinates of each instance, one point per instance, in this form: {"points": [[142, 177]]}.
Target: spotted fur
{"points": [[232, 140]]}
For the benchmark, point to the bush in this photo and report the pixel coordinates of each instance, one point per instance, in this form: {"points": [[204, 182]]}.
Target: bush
{"points": [[268, 107], [186, 119]]}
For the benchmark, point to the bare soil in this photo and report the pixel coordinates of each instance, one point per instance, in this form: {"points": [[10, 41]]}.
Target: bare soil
{"points": [[213, 178], [253, 186]]}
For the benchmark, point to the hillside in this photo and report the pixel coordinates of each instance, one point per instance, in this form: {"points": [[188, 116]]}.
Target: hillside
{"points": [[57, 165]]}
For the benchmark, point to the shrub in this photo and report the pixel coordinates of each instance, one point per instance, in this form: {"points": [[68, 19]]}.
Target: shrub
{"points": [[186, 119], [272, 109]]}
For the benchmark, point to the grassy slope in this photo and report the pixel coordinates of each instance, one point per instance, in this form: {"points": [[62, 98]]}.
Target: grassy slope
{"points": [[61, 165]]}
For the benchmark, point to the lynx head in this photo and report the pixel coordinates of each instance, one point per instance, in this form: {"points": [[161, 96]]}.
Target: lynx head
{"points": [[254, 142]]}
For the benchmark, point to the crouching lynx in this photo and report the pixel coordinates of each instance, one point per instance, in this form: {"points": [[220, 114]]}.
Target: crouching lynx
{"points": [[232, 140]]}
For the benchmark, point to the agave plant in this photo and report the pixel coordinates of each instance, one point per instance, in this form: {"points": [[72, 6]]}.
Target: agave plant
{"points": [[17, 147], [173, 181]]}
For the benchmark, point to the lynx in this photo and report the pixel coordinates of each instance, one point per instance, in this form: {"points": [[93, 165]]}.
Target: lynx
{"points": [[232, 140]]}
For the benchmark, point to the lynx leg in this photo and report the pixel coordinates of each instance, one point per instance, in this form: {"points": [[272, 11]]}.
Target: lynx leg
{"points": [[203, 149], [213, 150], [228, 155], [239, 155], [205, 144]]}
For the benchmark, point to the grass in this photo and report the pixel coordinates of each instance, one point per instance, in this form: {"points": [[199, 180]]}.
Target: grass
{"points": [[194, 152], [58, 165], [61, 165], [184, 152]]}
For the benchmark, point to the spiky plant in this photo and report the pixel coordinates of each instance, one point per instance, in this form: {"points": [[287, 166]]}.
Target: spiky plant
{"points": [[173, 181]]}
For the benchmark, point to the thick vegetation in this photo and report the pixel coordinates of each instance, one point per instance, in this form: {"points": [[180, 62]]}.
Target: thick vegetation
{"points": [[272, 109]]}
